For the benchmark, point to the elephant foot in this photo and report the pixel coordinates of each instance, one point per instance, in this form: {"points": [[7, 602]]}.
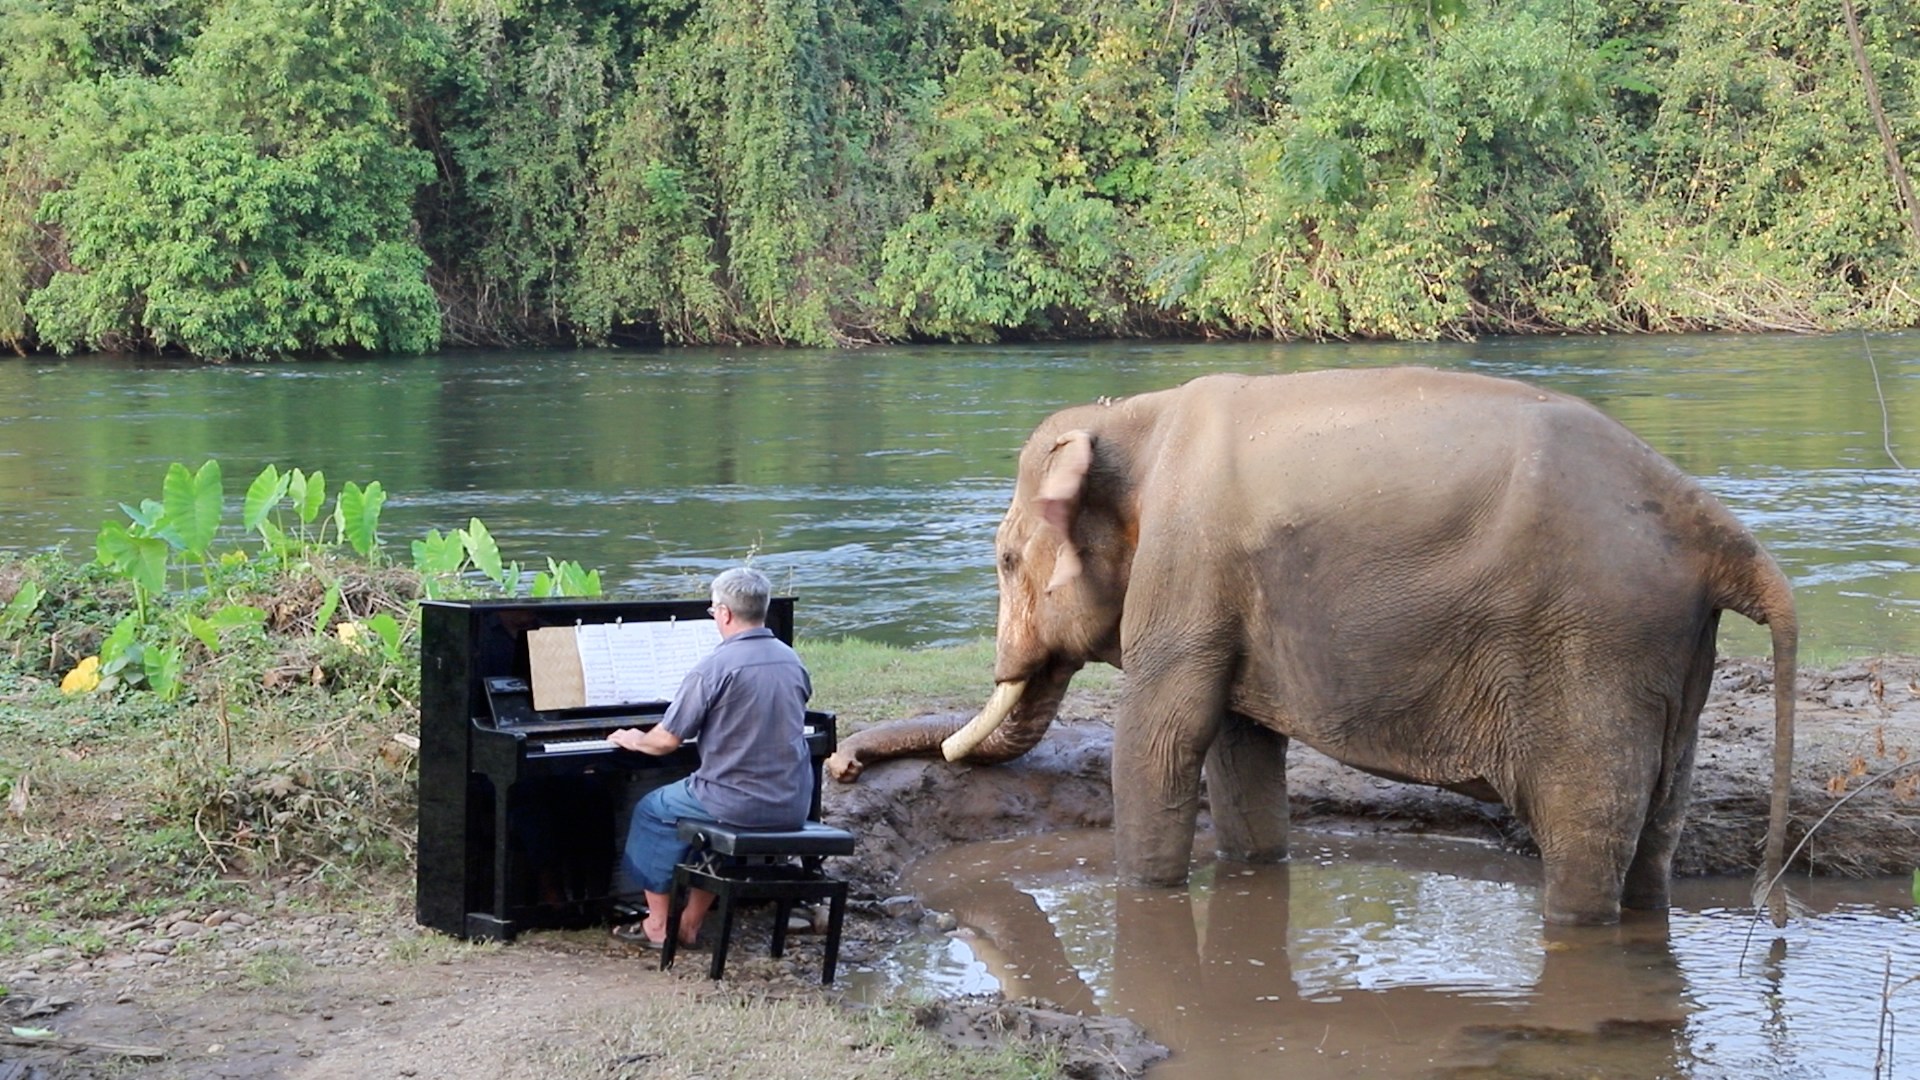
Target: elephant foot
{"points": [[1651, 898], [1598, 915], [1267, 856], [1145, 881]]}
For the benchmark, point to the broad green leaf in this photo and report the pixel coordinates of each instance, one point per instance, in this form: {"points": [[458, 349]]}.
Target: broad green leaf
{"points": [[566, 578], [205, 631], [328, 605], [235, 616], [230, 617], [309, 494], [437, 554], [358, 511], [20, 608], [111, 543], [151, 516], [120, 647], [263, 495], [141, 559], [162, 668], [484, 552], [270, 534], [194, 502], [387, 630], [210, 503], [1916, 886]]}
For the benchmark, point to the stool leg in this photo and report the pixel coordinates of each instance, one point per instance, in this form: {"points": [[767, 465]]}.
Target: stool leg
{"points": [[837, 913], [723, 899], [676, 899], [782, 908]]}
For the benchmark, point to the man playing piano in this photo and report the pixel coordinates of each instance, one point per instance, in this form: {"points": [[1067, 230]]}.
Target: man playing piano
{"points": [[746, 703]]}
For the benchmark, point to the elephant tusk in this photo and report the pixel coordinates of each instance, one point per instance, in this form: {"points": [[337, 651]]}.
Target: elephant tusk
{"points": [[961, 743]]}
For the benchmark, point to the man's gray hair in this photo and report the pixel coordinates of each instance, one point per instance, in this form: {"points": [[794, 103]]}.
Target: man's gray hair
{"points": [[745, 591]]}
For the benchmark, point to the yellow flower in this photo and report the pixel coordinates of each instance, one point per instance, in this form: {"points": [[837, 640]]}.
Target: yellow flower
{"points": [[350, 634], [84, 677]]}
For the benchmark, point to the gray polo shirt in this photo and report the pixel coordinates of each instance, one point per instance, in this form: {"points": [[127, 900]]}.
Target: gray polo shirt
{"points": [[746, 703]]}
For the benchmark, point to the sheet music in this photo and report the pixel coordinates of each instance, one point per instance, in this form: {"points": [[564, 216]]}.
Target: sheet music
{"points": [[598, 663], [632, 663]]}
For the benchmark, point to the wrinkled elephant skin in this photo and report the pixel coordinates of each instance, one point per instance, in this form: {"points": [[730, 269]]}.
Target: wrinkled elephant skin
{"points": [[1436, 577]]}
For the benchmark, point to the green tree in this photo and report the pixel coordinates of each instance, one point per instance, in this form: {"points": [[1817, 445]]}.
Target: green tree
{"points": [[255, 200]]}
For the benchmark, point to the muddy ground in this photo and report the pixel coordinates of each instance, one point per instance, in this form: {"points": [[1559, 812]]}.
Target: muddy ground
{"points": [[279, 992]]}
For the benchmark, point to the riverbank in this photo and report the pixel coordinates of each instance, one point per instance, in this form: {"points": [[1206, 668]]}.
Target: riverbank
{"points": [[264, 985]]}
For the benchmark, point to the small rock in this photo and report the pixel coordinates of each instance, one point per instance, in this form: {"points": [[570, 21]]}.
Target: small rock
{"points": [[942, 921], [901, 907], [149, 958], [219, 918], [163, 946], [185, 928], [241, 918]]}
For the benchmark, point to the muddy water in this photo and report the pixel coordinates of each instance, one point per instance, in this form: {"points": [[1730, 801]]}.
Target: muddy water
{"points": [[1407, 957]]}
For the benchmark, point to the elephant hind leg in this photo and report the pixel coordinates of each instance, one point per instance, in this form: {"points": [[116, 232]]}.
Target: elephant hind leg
{"points": [[1587, 816], [1649, 877], [1246, 781]]}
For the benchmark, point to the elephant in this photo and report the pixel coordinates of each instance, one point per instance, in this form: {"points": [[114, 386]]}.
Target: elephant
{"points": [[1437, 577]]}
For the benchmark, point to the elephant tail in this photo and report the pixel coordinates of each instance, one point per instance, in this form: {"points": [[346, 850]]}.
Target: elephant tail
{"points": [[1768, 599]]}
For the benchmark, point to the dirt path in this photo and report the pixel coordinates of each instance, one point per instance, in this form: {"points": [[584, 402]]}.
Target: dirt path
{"points": [[274, 993]]}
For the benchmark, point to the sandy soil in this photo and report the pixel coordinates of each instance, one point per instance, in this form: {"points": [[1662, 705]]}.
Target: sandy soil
{"points": [[273, 994]]}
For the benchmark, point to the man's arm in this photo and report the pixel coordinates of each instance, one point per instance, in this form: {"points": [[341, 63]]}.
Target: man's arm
{"points": [[656, 740]]}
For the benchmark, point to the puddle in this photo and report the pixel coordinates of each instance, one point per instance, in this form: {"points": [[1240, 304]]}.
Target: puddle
{"points": [[1418, 957]]}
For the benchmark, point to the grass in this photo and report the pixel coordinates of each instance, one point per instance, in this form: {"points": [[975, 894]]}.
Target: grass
{"points": [[867, 683]]}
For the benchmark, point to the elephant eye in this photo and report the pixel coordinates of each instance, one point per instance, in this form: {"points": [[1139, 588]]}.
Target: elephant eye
{"points": [[1008, 561]]}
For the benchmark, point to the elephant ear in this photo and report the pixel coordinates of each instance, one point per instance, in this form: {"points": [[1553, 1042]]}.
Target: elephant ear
{"points": [[1061, 487]]}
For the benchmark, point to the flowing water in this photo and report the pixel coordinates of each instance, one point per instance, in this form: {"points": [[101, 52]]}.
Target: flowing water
{"points": [[869, 483], [1423, 957]]}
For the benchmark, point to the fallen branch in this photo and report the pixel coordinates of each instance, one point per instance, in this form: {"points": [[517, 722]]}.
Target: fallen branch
{"points": [[61, 1042]]}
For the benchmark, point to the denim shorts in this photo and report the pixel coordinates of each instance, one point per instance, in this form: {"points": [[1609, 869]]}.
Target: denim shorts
{"points": [[653, 845]]}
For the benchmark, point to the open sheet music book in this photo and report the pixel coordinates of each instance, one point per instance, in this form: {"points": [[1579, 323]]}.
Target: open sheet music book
{"points": [[619, 663]]}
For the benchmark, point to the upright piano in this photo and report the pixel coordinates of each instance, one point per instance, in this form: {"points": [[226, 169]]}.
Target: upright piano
{"points": [[523, 811]]}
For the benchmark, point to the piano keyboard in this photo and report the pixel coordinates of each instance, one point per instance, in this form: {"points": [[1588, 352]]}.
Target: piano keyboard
{"points": [[576, 746], [601, 746]]}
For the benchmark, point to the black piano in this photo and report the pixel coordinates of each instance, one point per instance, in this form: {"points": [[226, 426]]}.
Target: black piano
{"points": [[523, 812]]}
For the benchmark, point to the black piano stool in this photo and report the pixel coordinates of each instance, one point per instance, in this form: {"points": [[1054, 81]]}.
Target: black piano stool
{"points": [[738, 864]]}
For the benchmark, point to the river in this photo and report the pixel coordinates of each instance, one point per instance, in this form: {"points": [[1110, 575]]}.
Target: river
{"points": [[868, 483]]}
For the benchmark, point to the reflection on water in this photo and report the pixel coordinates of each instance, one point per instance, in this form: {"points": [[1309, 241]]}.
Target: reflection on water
{"points": [[869, 483], [1420, 958]]}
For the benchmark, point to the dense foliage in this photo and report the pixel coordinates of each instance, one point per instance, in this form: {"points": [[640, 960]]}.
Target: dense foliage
{"points": [[272, 177]]}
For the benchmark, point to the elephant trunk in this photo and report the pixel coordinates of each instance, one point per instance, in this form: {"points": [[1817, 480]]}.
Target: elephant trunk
{"points": [[1026, 710]]}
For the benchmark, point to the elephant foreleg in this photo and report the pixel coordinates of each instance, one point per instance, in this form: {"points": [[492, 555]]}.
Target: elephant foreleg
{"points": [[1246, 778], [1162, 733]]}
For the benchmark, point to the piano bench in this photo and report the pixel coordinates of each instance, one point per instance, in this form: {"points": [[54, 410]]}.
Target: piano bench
{"points": [[737, 864]]}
